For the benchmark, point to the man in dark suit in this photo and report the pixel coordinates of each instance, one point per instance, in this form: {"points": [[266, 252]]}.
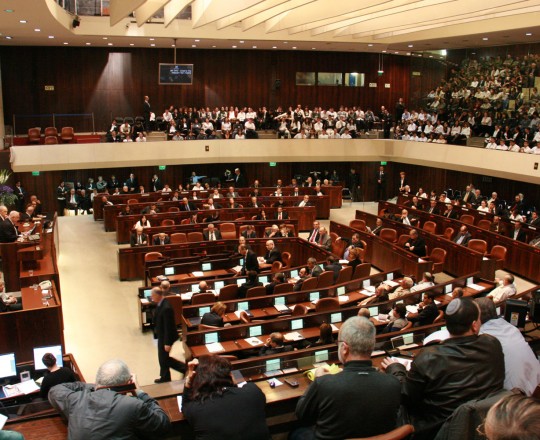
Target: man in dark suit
{"points": [[186, 205], [535, 220], [274, 345], [272, 253], [304, 202], [132, 183], [281, 214], [325, 241], [279, 278], [251, 281], [517, 233], [139, 238], [334, 266], [303, 274], [21, 195], [433, 208], [146, 113], [239, 179], [212, 234], [166, 334], [250, 260], [378, 226], [416, 244], [8, 230], [469, 196], [155, 184], [161, 239], [403, 181], [463, 236], [380, 178], [314, 234], [212, 205], [249, 232], [314, 269], [27, 215], [450, 213]]}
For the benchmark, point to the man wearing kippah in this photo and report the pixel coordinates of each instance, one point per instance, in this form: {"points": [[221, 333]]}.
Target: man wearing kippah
{"points": [[443, 376]]}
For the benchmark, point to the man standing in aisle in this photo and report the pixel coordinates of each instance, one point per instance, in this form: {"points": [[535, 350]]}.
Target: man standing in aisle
{"points": [[166, 334], [146, 113], [353, 182], [381, 184]]}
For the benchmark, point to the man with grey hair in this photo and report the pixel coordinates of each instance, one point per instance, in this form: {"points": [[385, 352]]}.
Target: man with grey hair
{"points": [[8, 230], [100, 412], [504, 290], [522, 369], [3, 213], [357, 402]]}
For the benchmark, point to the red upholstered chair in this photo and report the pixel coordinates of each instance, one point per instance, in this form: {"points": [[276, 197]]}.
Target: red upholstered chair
{"points": [[185, 221], [388, 235], [51, 140], [430, 227], [345, 275], [310, 283], [498, 253], [203, 298], [403, 238], [228, 292], [194, 236], [167, 222], [326, 279], [437, 257], [153, 256], [34, 135], [327, 304], [131, 201], [361, 271], [276, 266], [477, 245], [338, 247], [178, 237], [51, 131], [358, 224], [484, 224], [228, 231], [173, 209], [283, 288], [299, 310], [67, 134], [256, 291], [467, 218], [448, 233], [286, 257]]}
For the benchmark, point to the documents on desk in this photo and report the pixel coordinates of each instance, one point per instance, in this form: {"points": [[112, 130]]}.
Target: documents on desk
{"points": [[254, 342], [197, 273], [343, 298], [186, 296], [390, 283], [368, 292], [26, 387], [412, 309], [405, 362], [475, 287], [237, 269], [334, 328], [214, 347], [293, 336], [282, 308]]}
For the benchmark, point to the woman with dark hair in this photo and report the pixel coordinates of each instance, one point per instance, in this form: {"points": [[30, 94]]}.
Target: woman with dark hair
{"points": [[216, 408], [354, 258], [398, 319], [55, 376], [142, 223]]}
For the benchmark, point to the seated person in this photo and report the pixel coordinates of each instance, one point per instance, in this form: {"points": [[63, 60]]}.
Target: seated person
{"points": [[304, 202], [285, 231], [274, 345], [505, 289], [427, 311], [325, 241], [251, 281], [353, 242], [203, 288], [313, 269], [213, 217], [9, 302], [333, 265], [354, 258], [249, 232], [281, 214], [427, 281], [28, 215], [381, 296], [398, 319], [416, 244], [151, 209], [261, 216], [279, 278], [514, 417], [457, 293], [303, 274], [272, 253], [161, 239], [72, 201], [215, 316], [325, 336], [142, 222], [404, 289], [232, 204], [212, 234], [273, 232], [463, 236], [139, 238], [55, 375], [126, 211]]}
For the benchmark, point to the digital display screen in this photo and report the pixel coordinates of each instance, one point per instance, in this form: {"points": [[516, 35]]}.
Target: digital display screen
{"points": [[263, 279], [408, 338], [148, 293], [448, 288], [211, 338], [241, 262], [206, 266], [470, 281], [279, 301], [294, 273], [314, 296], [321, 356], [194, 288], [255, 331], [56, 350], [373, 311], [244, 305], [335, 317], [175, 74], [389, 276], [203, 310], [273, 365], [240, 281], [8, 366], [366, 284], [218, 285], [169, 271], [341, 290], [297, 324]]}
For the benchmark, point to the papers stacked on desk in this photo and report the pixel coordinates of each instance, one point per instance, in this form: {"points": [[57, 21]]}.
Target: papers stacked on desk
{"points": [[406, 362], [293, 336], [254, 342], [282, 308], [475, 287], [214, 347], [343, 298], [26, 387], [412, 309], [237, 269], [390, 283], [198, 273], [343, 261], [367, 292], [334, 328], [186, 296]]}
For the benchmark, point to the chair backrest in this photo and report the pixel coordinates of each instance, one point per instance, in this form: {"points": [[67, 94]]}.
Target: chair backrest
{"points": [[228, 231], [131, 201], [291, 228], [467, 218], [430, 227], [240, 218], [276, 266], [403, 238], [244, 317], [152, 256], [176, 304], [178, 237], [300, 309], [438, 255], [253, 217], [203, 298], [477, 245], [51, 131], [228, 292], [345, 275], [388, 235], [484, 224], [326, 279], [173, 209], [338, 247], [327, 304], [34, 134], [286, 257], [184, 221], [361, 271], [358, 224], [67, 133], [208, 327], [310, 283], [194, 236], [498, 252], [256, 291], [51, 140], [283, 288], [167, 222], [400, 433], [448, 233]]}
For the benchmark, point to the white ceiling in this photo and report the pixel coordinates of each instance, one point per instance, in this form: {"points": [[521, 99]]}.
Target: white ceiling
{"points": [[397, 26]]}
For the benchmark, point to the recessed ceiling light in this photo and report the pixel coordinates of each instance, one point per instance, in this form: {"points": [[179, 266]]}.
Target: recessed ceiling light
{"points": [[294, 47], [152, 44], [51, 36], [109, 44], [193, 45], [241, 41], [22, 21], [254, 47], [408, 53], [396, 52], [370, 45], [234, 47], [473, 53], [528, 34], [313, 48], [196, 41], [410, 45], [274, 47], [383, 51], [285, 42], [431, 56], [173, 45], [105, 38], [88, 44], [9, 10], [485, 38], [132, 44], [37, 30], [8, 37], [66, 43], [213, 46], [152, 39]]}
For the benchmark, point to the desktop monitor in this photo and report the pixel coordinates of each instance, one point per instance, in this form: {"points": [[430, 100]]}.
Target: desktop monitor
{"points": [[366, 284], [294, 273], [169, 270], [279, 301], [243, 305], [470, 280], [240, 281], [297, 324], [206, 267], [273, 365], [211, 338], [56, 350], [148, 294], [341, 290], [448, 289], [241, 262], [255, 331], [218, 285], [516, 311], [203, 310], [373, 311], [321, 355], [408, 338], [194, 288], [8, 367], [390, 276], [335, 317], [314, 296]]}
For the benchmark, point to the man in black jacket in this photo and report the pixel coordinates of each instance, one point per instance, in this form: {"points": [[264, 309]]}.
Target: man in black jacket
{"points": [[251, 281], [416, 244], [445, 375], [250, 260], [166, 333]]}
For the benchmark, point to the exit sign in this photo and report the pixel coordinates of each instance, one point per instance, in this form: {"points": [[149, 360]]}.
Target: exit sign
{"points": [[162, 167], [35, 173], [49, 88], [273, 164], [383, 163]]}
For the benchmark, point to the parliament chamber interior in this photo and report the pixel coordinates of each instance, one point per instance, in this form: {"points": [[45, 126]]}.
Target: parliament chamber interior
{"points": [[140, 240]]}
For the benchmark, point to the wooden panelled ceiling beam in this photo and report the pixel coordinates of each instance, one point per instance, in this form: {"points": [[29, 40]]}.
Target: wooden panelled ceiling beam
{"points": [[208, 11], [173, 8], [246, 13], [264, 16], [120, 9]]}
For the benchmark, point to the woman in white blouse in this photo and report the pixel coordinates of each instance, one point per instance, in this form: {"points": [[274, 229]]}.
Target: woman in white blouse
{"points": [[483, 207]]}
